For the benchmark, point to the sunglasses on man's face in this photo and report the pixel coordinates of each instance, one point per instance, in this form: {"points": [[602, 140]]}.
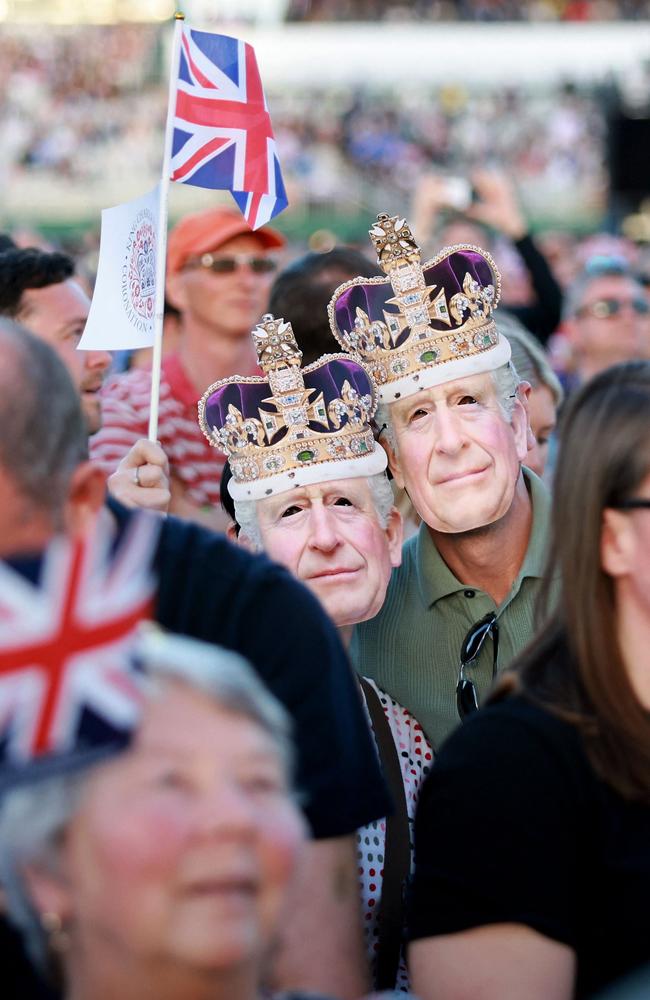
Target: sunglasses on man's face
{"points": [[632, 503], [606, 308], [231, 263], [466, 695]]}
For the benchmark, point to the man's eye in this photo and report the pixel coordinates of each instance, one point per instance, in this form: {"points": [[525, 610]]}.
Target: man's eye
{"points": [[343, 502], [171, 778], [466, 400], [263, 784], [290, 511]]}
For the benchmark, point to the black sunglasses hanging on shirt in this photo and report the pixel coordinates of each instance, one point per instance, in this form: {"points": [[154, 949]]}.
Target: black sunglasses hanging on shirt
{"points": [[466, 696]]}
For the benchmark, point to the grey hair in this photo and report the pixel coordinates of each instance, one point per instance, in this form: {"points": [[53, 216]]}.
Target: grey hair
{"points": [[506, 381], [597, 267], [380, 490], [44, 436], [529, 357], [33, 817]]}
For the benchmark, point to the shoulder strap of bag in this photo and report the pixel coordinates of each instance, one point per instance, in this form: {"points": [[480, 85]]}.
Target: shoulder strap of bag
{"points": [[397, 852]]}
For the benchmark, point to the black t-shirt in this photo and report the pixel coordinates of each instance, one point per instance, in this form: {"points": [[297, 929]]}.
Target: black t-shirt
{"points": [[513, 826], [212, 590]]}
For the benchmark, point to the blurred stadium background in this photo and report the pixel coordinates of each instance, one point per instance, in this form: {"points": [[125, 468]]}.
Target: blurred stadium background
{"points": [[366, 97]]}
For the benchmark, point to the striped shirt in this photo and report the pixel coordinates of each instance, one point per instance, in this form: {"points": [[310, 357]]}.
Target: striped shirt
{"points": [[125, 411]]}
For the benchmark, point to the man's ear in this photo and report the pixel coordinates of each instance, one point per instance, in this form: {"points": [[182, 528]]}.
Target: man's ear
{"points": [[393, 461], [616, 543], [49, 891], [395, 536], [175, 290], [231, 533], [572, 330], [246, 542], [521, 429], [86, 497], [524, 390]]}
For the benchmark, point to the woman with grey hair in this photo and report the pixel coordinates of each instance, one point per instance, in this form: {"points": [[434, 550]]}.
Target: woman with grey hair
{"points": [[163, 869], [546, 393]]}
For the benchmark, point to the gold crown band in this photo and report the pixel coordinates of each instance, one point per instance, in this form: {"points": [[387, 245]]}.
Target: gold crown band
{"points": [[259, 464]]}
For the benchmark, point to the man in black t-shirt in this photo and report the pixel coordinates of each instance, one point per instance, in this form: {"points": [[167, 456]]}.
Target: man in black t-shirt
{"points": [[213, 591]]}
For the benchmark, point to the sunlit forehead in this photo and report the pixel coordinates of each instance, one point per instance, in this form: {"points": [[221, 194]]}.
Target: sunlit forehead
{"points": [[184, 723]]}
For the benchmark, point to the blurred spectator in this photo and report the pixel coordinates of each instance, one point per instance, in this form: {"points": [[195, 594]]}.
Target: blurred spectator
{"points": [[546, 393], [467, 10], [82, 116], [491, 206], [39, 290], [606, 314], [301, 293]]}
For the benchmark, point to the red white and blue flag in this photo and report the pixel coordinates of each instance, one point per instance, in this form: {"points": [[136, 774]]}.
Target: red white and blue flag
{"points": [[67, 685], [222, 136]]}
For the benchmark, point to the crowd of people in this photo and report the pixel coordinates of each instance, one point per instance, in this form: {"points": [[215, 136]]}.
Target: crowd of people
{"points": [[336, 689], [66, 126], [467, 10], [356, 454]]}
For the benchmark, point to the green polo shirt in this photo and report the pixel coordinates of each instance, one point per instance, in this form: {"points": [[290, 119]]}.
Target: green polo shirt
{"points": [[412, 647]]}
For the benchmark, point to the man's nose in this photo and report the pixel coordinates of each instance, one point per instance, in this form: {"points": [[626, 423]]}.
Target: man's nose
{"points": [[448, 431], [323, 534], [253, 284], [98, 361]]}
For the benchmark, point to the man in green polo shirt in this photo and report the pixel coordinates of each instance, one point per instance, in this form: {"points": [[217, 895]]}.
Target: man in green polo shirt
{"points": [[456, 435]]}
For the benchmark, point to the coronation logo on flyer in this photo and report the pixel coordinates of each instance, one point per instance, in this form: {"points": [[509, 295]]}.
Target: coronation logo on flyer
{"points": [[139, 271]]}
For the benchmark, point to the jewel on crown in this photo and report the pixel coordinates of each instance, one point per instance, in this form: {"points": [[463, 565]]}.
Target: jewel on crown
{"points": [[276, 344], [395, 246]]}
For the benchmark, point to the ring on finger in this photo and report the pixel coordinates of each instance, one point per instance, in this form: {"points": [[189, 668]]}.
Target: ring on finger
{"points": [[136, 476]]}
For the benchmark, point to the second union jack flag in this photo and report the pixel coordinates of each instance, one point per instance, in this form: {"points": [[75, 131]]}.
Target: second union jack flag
{"points": [[68, 690], [223, 137]]}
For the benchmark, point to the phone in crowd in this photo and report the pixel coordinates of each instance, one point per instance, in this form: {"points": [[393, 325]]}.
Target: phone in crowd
{"points": [[458, 193]]}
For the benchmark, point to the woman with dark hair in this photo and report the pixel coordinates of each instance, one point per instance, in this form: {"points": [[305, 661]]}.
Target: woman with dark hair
{"points": [[533, 830]]}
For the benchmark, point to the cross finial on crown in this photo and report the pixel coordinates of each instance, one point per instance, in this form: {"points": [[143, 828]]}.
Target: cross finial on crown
{"points": [[394, 242], [276, 344]]}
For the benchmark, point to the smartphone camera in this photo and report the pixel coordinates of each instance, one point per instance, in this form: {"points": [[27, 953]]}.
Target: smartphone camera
{"points": [[457, 193]]}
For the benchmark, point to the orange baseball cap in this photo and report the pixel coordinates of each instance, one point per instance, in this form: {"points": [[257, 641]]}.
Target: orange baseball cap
{"points": [[207, 231]]}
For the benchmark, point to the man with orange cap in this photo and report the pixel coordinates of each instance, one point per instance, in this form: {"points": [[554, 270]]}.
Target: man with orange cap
{"points": [[218, 278]]}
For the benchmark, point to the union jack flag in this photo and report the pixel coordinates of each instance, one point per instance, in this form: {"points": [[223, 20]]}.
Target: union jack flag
{"points": [[222, 136], [66, 681]]}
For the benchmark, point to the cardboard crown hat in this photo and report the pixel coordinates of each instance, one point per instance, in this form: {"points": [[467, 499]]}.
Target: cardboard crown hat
{"points": [[296, 425], [422, 324]]}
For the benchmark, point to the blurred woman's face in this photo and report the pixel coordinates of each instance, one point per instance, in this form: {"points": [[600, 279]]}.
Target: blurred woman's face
{"points": [[182, 848], [542, 416]]}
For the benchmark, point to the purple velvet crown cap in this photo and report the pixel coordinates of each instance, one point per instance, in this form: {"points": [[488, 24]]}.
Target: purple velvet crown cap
{"points": [[447, 272], [250, 395]]}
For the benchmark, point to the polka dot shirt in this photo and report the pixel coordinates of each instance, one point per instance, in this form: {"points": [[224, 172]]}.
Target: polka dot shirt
{"points": [[416, 758]]}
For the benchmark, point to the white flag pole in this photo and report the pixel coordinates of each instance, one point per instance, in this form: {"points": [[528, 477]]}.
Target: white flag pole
{"points": [[161, 244]]}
